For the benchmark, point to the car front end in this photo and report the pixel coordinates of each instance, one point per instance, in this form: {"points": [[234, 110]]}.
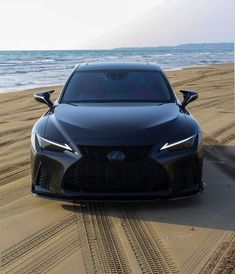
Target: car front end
{"points": [[121, 170]]}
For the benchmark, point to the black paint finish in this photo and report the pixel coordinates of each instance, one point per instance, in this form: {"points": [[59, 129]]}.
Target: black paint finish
{"points": [[117, 148]]}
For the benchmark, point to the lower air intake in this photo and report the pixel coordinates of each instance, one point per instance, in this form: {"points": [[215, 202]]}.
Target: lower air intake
{"points": [[43, 178]]}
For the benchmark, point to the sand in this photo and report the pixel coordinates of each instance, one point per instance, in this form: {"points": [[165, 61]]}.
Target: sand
{"points": [[188, 236]]}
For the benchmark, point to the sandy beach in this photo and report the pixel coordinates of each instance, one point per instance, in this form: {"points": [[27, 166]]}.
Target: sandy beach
{"points": [[187, 236]]}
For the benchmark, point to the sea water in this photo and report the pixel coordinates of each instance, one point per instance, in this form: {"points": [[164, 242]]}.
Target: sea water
{"points": [[28, 69]]}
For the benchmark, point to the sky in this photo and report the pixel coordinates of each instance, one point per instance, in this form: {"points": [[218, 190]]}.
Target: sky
{"points": [[104, 24]]}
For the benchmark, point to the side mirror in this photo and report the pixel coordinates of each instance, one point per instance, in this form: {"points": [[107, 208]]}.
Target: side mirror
{"points": [[44, 97], [189, 96]]}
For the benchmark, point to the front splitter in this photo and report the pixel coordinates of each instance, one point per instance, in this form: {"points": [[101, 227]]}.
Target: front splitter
{"points": [[118, 197]]}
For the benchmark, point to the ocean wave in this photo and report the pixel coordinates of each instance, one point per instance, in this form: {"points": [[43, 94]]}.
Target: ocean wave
{"points": [[25, 62], [163, 55], [43, 61], [36, 70]]}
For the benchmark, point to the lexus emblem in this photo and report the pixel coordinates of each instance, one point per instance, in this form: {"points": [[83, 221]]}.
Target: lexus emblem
{"points": [[116, 156]]}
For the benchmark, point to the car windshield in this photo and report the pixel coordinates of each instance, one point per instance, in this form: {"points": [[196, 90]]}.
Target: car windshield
{"points": [[117, 86]]}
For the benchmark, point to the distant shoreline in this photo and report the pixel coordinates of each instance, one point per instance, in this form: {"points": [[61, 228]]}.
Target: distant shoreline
{"points": [[59, 86], [184, 45]]}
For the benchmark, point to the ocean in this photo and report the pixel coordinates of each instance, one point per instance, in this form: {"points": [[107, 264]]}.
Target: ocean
{"points": [[28, 69]]}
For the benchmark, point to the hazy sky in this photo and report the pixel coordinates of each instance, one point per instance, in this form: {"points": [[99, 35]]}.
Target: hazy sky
{"points": [[87, 24]]}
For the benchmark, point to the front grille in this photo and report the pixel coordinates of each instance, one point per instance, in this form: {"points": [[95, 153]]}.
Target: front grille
{"points": [[132, 153], [94, 173]]}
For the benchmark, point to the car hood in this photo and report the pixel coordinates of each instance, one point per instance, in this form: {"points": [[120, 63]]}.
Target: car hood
{"points": [[113, 122]]}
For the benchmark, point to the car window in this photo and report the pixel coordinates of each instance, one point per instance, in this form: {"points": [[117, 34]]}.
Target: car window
{"points": [[99, 86]]}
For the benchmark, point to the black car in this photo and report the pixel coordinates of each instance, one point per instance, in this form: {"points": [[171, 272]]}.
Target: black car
{"points": [[117, 132]]}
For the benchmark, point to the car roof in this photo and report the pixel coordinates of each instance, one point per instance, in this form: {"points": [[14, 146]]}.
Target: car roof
{"points": [[117, 66]]}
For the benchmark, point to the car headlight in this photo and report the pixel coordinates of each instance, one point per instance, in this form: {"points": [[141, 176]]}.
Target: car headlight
{"points": [[52, 145], [182, 144]]}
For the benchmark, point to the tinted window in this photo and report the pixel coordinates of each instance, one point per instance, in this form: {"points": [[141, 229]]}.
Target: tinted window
{"points": [[99, 86]]}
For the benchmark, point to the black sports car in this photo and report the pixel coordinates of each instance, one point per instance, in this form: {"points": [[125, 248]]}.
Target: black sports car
{"points": [[117, 132]]}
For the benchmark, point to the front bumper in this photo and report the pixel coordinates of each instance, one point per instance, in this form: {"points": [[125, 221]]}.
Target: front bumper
{"points": [[174, 165]]}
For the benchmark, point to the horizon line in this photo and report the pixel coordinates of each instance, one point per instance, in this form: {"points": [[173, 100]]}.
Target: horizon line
{"points": [[130, 47]]}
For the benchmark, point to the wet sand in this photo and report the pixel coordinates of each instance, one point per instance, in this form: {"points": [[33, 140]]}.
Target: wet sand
{"points": [[188, 236]]}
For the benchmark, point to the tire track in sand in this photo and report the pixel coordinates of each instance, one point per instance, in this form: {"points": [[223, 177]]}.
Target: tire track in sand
{"points": [[223, 258], [194, 260], [146, 244], [224, 129], [34, 241], [103, 252], [12, 173], [15, 190], [50, 256], [223, 159]]}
